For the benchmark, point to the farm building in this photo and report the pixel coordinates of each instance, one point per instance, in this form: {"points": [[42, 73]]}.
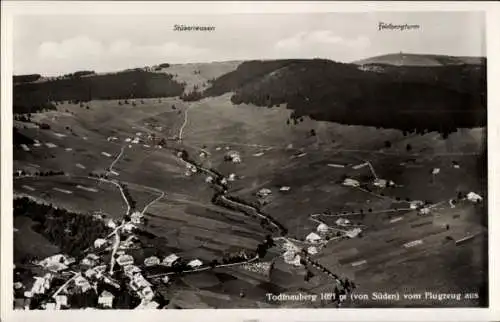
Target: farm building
{"points": [[342, 222], [313, 238], [138, 282], [195, 263], [436, 171], [231, 177], [312, 250], [351, 182], [106, 299], [416, 204], [322, 228], [152, 261], [130, 270], [264, 192], [474, 197], [233, 156], [209, 179], [424, 211], [170, 260], [381, 183], [284, 188], [135, 218], [125, 260], [128, 227], [292, 258]]}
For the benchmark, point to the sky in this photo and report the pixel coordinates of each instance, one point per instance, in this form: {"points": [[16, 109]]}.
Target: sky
{"points": [[56, 44]]}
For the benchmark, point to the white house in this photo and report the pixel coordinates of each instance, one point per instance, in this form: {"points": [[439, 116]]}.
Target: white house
{"points": [[165, 279], [152, 261], [381, 183], [106, 299], [135, 218], [124, 260], [231, 177], [264, 192], [90, 273], [131, 270], [322, 228], [351, 182], [474, 197], [312, 250], [128, 140], [170, 260], [416, 203], [436, 171], [195, 263], [209, 179], [313, 238], [285, 188], [111, 224], [292, 258], [342, 222]]}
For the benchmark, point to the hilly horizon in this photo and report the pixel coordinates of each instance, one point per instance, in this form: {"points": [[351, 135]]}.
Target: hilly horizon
{"points": [[422, 93]]}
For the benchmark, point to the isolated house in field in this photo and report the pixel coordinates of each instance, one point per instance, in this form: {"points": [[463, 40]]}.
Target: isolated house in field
{"points": [[99, 242], [209, 179], [106, 154], [313, 238], [455, 164], [125, 260], [474, 197], [231, 177], [342, 222], [284, 189], [170, 260], [424, 211], [435, 171], [322, 228], [233, 156], [350, 182], [416, 204], [165, 279], [195, 263], [264, 192], [381, 183], [312, 250], [106, 299], [151, 261]]}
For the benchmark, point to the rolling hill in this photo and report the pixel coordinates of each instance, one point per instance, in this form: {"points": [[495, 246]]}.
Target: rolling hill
{"points": [[404, 59], [425, 93]]}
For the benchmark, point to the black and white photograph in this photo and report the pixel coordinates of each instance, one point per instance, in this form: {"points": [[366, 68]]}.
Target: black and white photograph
{"points": [[295, 160]]}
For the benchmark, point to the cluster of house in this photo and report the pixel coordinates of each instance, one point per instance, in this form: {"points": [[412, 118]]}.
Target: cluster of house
{"points": [[380, 183], [233, 156]]}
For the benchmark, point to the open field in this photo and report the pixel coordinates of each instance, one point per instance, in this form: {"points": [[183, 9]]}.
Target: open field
{"points": [[274, 154]]}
